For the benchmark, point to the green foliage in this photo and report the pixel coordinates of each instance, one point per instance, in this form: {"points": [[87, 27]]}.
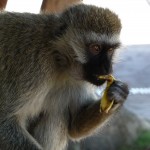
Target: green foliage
{"points": [[142, 143]]}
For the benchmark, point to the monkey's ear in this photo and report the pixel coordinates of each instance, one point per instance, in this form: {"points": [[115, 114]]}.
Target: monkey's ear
{"points": [[61, 60]]}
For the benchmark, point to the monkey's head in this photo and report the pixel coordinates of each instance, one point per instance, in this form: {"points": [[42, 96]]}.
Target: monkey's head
{"points": [[92, 35]]}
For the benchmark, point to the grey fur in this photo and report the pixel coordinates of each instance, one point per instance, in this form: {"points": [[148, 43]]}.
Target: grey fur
{"points": [[41, 76]]}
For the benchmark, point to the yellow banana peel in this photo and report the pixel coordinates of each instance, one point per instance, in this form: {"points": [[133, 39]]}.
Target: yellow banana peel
{"points": [[105, 104]]}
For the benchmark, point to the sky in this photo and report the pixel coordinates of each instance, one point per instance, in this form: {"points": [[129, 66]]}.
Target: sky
{"points": [[134, 15]]}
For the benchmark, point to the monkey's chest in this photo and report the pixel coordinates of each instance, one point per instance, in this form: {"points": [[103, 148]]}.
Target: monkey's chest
{"points": [[50, 130], [49, 121]]}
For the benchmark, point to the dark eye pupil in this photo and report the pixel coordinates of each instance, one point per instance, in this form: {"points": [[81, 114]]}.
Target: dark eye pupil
{"points": [[95, 49]]}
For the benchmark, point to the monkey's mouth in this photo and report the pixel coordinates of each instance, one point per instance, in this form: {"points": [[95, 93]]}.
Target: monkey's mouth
{"points": [[96, 81]]}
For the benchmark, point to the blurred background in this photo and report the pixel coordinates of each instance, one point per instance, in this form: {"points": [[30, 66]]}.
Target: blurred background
{"points": [[130, 129]]}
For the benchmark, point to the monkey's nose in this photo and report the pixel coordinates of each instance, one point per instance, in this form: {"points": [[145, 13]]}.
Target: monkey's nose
{"points": [[107, 68]]}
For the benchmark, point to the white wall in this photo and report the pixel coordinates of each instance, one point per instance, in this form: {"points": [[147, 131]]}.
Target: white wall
{"points": [[135, 16], [24, 5]]}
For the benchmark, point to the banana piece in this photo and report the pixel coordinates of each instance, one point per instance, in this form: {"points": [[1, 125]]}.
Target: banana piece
{"points": [[105, 104]]}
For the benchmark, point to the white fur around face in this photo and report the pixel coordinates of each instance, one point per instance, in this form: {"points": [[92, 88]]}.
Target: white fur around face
{"points": [[91, 37], [100, 38], [81, 56]]}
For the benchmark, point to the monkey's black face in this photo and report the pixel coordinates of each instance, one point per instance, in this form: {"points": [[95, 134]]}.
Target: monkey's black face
{"points": [[99, 62]]}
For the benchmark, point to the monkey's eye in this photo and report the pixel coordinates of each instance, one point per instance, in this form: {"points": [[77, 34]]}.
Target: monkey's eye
{"points": [[110, 50], [95, 49]]}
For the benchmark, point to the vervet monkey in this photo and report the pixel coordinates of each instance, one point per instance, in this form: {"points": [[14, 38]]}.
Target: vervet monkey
{"points": [[49, 66]]}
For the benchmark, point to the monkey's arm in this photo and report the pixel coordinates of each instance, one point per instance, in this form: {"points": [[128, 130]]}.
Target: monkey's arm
{"points": [[14, 137], [89, 118]]}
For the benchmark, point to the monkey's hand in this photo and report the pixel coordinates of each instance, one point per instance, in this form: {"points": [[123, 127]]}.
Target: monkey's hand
{"points": [[117, 93], [88, 118]]}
